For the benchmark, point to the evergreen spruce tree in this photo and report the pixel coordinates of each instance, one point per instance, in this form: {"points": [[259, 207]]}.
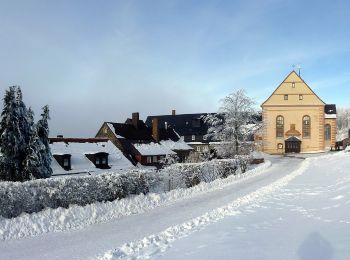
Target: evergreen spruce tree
{"points": [[24, 146], [33, 162], [43, 133], [11, 139], [25, 126]]}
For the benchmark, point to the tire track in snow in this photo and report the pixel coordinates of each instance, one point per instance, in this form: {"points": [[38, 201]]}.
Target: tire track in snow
{"points": [[158, 243]]}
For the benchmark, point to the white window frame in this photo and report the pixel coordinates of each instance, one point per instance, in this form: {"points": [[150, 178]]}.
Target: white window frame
{"points": [[149, 159], [193, 138]]}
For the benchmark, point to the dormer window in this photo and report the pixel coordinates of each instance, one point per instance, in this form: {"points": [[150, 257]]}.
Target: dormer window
{"points": [[285, 97], [293, 84], [64, 160], [100, 160]]}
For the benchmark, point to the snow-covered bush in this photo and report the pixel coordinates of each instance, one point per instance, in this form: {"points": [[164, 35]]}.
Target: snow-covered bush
{"points": [[190, 174], [33, 196]]}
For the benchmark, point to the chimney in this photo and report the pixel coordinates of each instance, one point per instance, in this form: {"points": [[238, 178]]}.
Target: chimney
{"points": [[135, 119], [173, 112], [155, 129]]}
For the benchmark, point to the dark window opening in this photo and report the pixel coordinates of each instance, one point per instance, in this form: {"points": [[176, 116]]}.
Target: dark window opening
{"points": [[327, 132], [100, 160], [196, 123], [64, 160]]}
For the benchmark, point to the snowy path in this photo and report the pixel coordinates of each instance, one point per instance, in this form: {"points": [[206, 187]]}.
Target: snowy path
{"points": [[97, 239], [307, 217]]}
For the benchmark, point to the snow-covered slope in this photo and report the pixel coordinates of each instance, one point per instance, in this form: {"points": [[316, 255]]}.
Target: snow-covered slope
{"points": [[291, 210], [304, 215]]}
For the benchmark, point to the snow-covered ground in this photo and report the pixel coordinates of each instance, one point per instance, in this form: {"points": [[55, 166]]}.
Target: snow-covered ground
{"points": [[295, 209]]}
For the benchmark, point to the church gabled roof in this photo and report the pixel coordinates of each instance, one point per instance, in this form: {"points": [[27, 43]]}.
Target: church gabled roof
{"points": [[283, 88]]}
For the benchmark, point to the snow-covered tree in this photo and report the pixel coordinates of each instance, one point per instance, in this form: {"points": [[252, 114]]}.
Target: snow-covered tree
{"points": [[43, 134], [343, 123], [17, 133], [33, 163], [168, 160], [11, 139], [234, 124]]}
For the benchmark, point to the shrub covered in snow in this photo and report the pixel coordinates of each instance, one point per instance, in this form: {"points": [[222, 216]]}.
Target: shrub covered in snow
{"points": [[190, 174], [35, 195]]}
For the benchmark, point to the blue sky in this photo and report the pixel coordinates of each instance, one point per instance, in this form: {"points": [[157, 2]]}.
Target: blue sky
{"points": [[95, 61]]}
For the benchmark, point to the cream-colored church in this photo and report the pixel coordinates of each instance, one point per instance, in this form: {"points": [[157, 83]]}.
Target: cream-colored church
{"points": [[297, 120]]}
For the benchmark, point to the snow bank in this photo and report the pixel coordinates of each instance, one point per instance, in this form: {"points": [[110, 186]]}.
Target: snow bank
{"points": [[77, 217]]}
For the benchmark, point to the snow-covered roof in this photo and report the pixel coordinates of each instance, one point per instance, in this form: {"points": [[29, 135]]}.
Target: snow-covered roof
{"points": [[330, 116], [80, 163], [197, 143], [293, 138], [153, 149], [179, 145]]}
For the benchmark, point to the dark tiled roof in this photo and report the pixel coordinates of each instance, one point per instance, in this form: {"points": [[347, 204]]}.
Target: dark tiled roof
{"points": [[128, 131], [143, 133], [188, 124], [128, 147], [168, 134], [184, 124], [330, 109], [77, 140]]}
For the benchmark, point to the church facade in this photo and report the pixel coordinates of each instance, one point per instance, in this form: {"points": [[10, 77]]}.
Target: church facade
{"points": [[296, 120]]}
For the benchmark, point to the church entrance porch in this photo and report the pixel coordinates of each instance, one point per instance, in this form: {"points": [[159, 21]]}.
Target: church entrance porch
{"points": [[292, 145]]}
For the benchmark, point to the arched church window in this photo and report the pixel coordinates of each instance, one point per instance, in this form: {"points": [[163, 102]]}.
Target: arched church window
{"points": [[327, 132], [306, 127], [279, 126]]}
